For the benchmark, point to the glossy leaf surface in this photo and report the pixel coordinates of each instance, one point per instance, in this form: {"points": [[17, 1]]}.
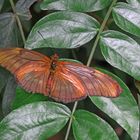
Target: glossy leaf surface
{"points": [[127, 18], [8, 96], [88, 126], [135, 3], [75, 5], [123, 109], [121, 52], [22, 8], [62, 30], [9, 31], [37, 121], [23, 97]]}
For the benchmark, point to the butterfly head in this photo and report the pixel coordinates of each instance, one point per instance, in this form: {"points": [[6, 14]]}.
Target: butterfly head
{"points": [[55, 57]]}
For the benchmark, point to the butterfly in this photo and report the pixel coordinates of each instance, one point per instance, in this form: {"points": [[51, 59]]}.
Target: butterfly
{"points": [[64, 81]]}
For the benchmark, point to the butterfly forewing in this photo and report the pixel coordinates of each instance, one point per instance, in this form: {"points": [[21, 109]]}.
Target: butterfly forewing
{"points": [[14, 58], [93, 81]]}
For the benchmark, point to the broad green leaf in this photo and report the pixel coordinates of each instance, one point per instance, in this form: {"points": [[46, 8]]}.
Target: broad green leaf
{"points": [[123, 109], [6, 6], [121, 52], [36, 121], [127, 18], [75, 5], [22, 8], [88, 126], [23, 97], [135, 3], [1, 4], [62, 30], [8, 96], [71, 60], [9, 33]]}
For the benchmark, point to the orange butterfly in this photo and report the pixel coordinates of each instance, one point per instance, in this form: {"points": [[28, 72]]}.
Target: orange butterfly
{"points": [[62, 80]]}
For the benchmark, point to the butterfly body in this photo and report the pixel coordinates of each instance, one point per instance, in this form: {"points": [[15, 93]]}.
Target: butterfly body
{"points": [[62, 80], [54, 59]]}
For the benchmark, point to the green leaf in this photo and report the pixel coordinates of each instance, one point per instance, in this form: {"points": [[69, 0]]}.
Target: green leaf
{"points": [[88, 126], [23, 97], [135, 3], [36, 121], [8, 96], [1, 4], [75, 5], [123, 109], [121, 52], [127, 18], [62, 30], [71, 60], [6, 6], [22, 9], [9, 33]]}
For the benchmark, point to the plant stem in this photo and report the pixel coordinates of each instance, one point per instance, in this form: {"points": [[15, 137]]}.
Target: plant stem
{"points": [[100, 31], [89, 60], [70, 122], [18, 21]]}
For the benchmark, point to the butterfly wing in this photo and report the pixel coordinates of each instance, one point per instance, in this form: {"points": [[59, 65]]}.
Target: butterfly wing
{"points": [[66, 87], [73, 81], [30, 68]]}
